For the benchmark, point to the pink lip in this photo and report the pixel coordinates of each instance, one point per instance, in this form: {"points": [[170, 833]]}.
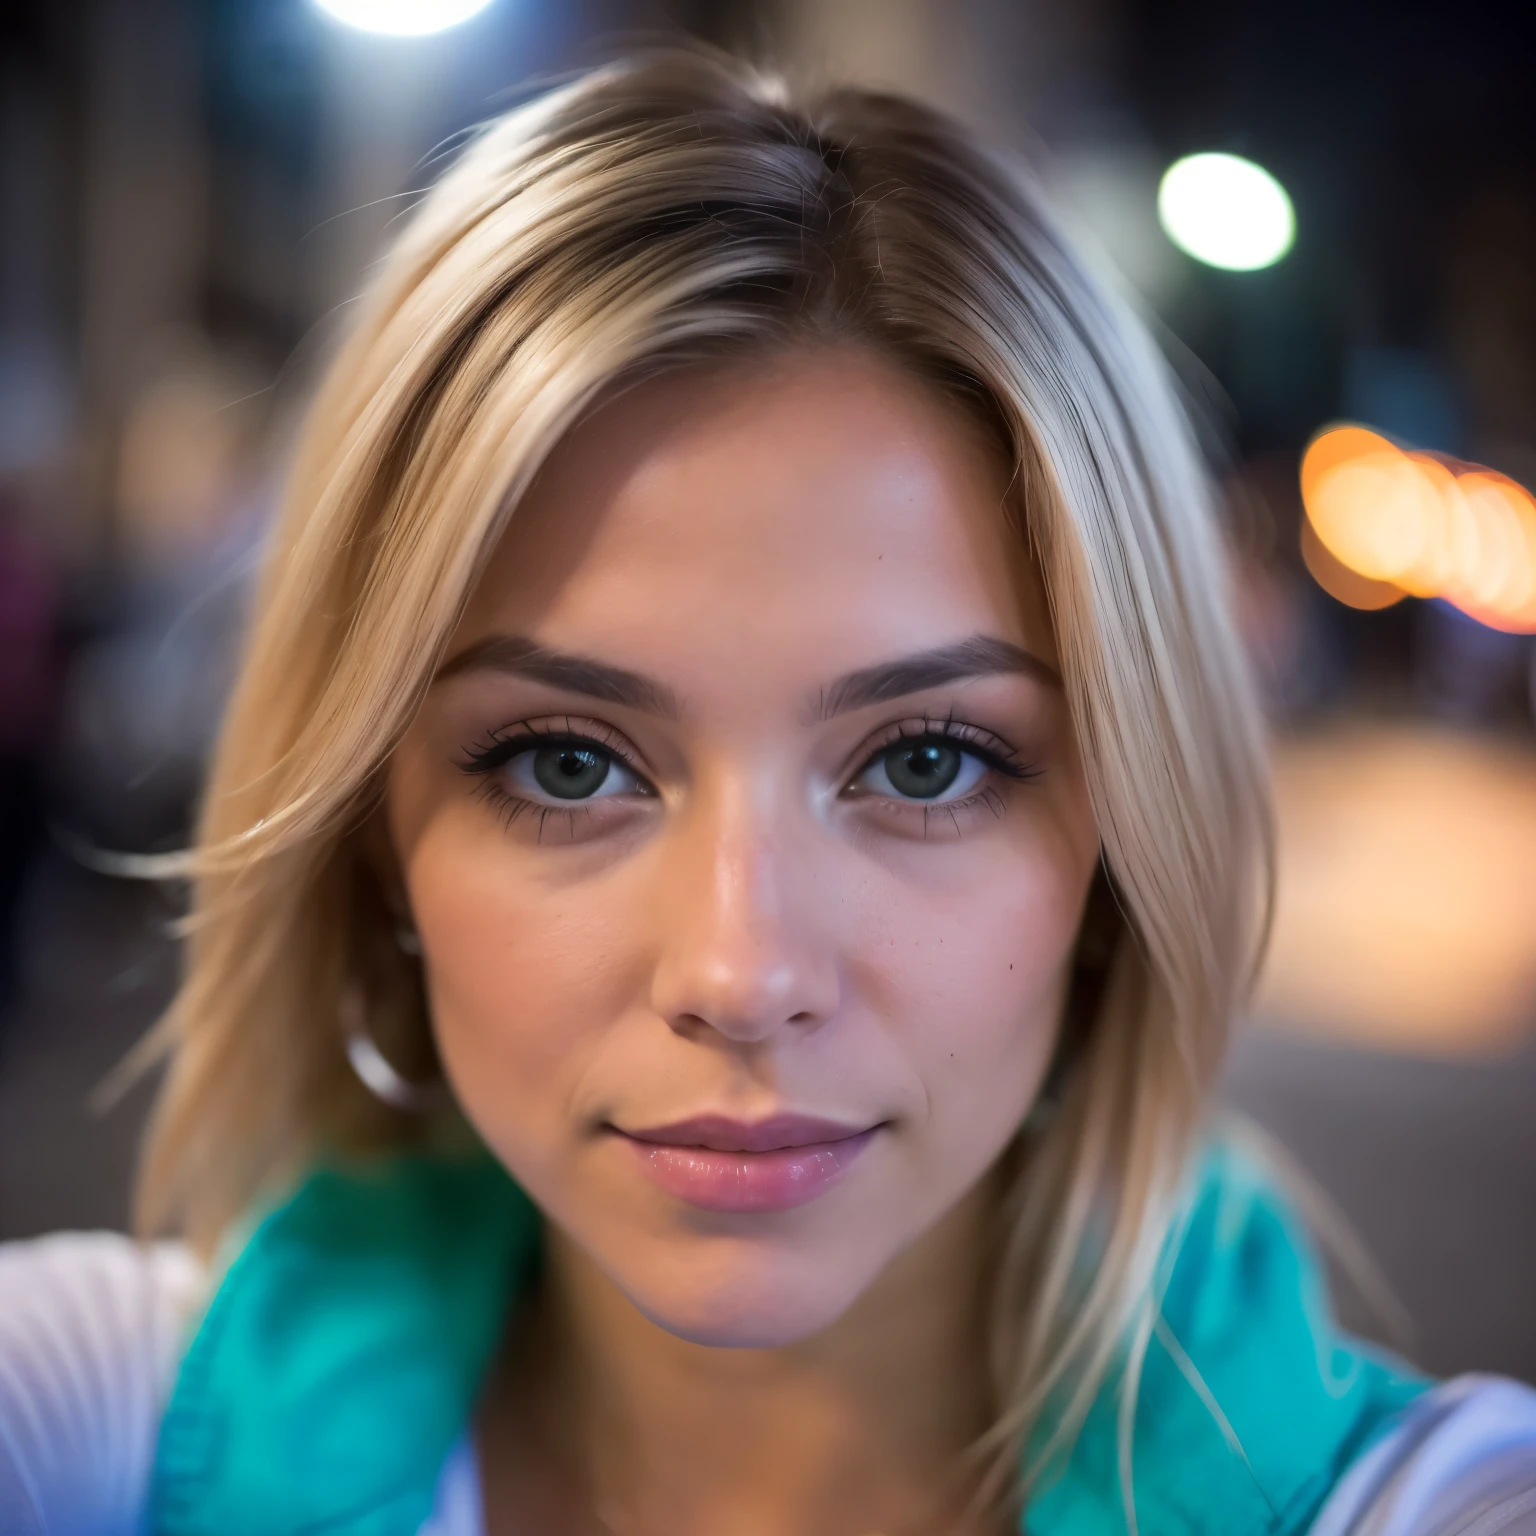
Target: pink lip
{"points": [[718, 1164]]}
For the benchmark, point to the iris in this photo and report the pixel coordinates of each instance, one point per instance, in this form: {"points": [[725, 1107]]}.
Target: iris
{"points": [[570, 772], [923, 770]]}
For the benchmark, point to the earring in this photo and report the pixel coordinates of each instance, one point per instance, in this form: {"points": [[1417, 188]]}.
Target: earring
{"points": [[374, 1070]]}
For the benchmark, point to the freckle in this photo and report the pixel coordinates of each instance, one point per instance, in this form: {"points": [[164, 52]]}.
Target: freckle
{"points": [[1010, 967]]}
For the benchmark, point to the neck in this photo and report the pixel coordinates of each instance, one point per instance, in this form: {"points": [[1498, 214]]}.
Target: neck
{"points": [[863, 1427]]}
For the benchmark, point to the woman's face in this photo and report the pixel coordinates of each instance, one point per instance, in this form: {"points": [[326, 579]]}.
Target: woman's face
{"points": [[747, 839]]}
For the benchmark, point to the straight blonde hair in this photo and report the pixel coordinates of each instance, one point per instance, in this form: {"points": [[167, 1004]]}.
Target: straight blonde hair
{"points": [[673, 207]]}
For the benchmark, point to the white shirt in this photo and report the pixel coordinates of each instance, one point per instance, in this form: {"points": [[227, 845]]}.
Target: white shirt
{"points": [[92, 1326]]}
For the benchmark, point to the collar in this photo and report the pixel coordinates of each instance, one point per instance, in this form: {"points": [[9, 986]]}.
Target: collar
{"points": [[341, 1355]]}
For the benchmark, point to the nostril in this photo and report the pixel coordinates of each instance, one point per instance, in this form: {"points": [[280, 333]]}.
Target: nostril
{"points": [[745, 991]]}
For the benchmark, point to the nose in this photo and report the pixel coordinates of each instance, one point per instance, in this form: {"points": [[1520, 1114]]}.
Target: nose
{"points": [[743, 951]]}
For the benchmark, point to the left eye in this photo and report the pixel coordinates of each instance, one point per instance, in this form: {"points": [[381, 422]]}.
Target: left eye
{"points": [[567, 771], [926, 770]]}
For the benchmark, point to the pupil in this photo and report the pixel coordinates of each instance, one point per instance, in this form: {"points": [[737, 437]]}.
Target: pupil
{"points": [[923, 771], [570, 773]]}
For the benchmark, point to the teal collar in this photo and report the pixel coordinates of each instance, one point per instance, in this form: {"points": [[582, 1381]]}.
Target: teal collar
{"points": [[340, 1357]]}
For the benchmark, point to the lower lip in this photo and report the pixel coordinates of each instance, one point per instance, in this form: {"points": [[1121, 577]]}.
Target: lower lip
{"points": [[750, 1181]]}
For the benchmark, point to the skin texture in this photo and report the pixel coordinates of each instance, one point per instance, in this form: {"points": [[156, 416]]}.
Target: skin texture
{"points": [[754, 923]]}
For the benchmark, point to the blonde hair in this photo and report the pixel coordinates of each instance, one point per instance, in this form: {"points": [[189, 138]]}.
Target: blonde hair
{"points": [[678, 206]]}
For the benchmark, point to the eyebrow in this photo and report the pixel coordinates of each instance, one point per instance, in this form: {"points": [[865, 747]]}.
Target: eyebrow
{"points": [[980, 656], [518, 656]]}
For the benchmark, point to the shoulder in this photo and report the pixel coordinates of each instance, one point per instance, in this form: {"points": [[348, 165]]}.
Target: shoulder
{"points": [[91, 1326], [338, 1361], [1462, 1459], [1241, 1409], [1338, 1437]]}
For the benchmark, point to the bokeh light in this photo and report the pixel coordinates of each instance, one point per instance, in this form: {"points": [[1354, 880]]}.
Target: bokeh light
{"points": [[402, 18], [1226, 211], [1418, 523], [1339, 581]]}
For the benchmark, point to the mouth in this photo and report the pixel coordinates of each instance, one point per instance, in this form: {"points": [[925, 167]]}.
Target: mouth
{"points": [[718, 1164]]}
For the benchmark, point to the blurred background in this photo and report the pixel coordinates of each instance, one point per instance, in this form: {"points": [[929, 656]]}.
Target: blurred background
{"points": [[1329, 213]]}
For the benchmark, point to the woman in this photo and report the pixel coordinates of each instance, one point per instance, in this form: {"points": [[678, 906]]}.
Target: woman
{"points": [[720, 902]]}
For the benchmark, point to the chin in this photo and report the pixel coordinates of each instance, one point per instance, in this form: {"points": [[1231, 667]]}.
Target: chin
{"points": [[744, 1300]]}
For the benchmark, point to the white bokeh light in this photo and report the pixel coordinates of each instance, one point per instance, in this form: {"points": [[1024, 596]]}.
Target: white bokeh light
{"points": [[1226, 211], [402, 18]]}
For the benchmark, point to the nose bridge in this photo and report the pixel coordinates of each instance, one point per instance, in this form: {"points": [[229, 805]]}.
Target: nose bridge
{"points": [[741, 953]]}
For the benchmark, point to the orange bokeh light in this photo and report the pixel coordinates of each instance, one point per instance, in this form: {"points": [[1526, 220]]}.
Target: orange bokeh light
{"points": [[1403, 521], [1339, 581]]}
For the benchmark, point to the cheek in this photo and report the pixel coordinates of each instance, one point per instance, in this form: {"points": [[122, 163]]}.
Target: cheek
{"points": [[973, 973], [522, 978]]}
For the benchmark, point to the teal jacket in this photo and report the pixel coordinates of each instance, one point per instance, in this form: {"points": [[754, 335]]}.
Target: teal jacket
{"points": [[339, 1359]]}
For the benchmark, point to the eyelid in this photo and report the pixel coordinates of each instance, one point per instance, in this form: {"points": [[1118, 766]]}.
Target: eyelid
{"points": [[991, 748], [503, 743]]}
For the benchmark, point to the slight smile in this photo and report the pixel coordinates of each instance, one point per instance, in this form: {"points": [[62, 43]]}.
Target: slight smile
{"points": [[718, 1164]]}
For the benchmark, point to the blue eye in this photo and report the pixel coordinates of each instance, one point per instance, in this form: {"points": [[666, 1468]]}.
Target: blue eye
{"points": [[928, 770]]}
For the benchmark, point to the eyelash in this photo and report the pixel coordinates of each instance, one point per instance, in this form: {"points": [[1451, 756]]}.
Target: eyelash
{"points": [[502, 745], [985, 745], [989, 747]]}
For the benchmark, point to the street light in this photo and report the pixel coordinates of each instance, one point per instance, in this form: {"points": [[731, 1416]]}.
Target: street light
{"points": [[1226, 211], [402, 18]]}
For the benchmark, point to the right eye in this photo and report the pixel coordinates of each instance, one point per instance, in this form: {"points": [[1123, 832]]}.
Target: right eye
{"points": [[564, 772]]}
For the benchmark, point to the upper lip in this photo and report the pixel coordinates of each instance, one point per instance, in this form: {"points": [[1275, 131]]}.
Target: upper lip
{"points": [[719, 1133]]}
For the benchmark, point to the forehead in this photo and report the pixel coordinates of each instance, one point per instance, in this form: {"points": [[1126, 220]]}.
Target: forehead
{"points": [[820, 504]]}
